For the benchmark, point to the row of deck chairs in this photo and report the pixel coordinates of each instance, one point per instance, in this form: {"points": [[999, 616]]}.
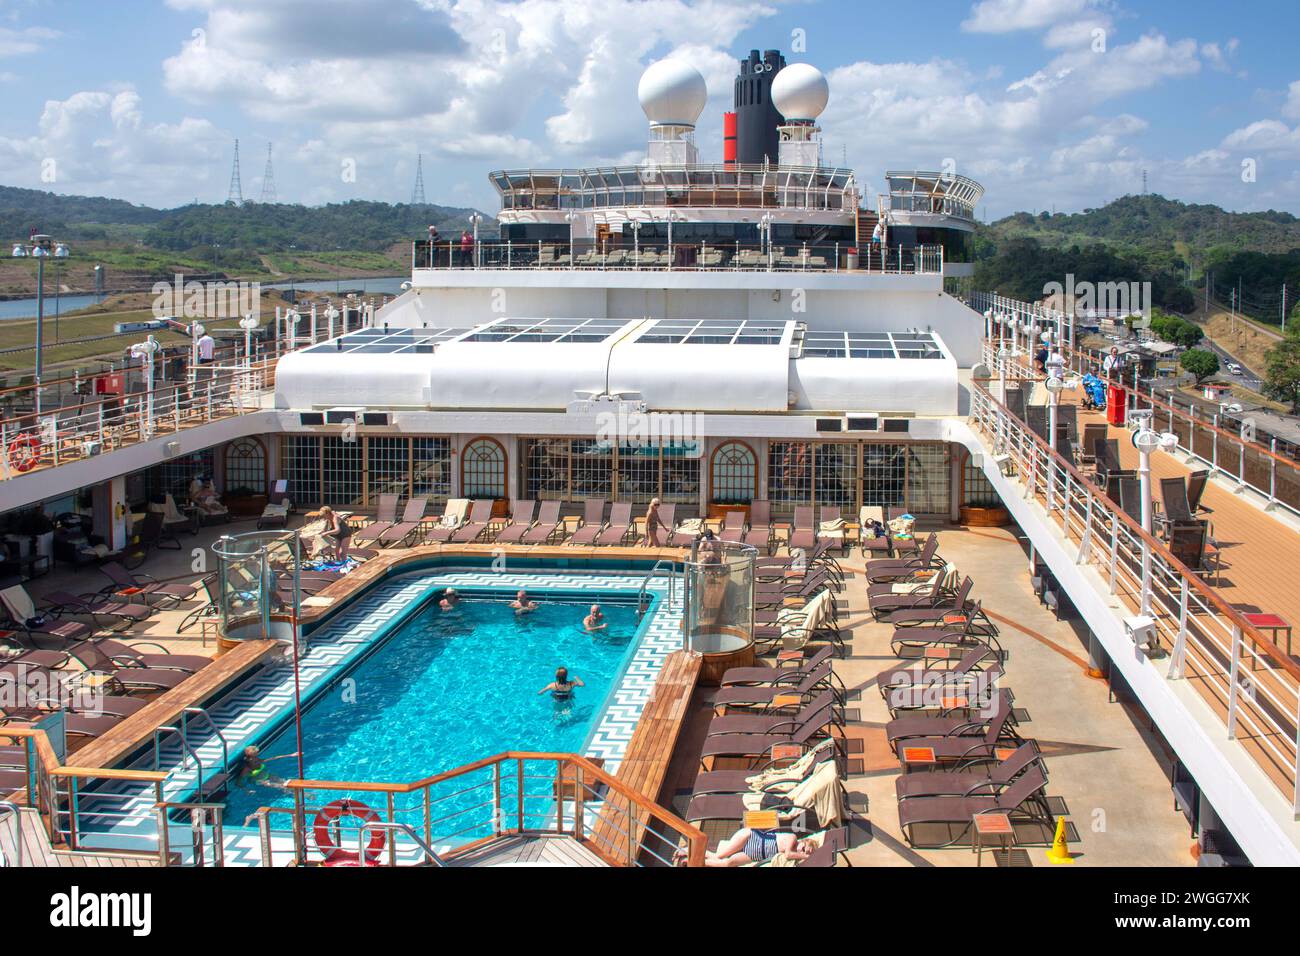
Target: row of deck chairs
{"points": [[780, 726], [953, 728], [45, 638]]}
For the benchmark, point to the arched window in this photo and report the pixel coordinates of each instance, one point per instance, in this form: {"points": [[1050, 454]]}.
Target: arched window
{"points": [[483, 469], [245, 467], [734, 474]]}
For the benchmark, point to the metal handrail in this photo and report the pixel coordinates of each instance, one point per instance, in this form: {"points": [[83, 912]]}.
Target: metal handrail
{"points": [[186, 751], [198, 811], [406, 828], [7, 806], [661, 564], [225, 746]]}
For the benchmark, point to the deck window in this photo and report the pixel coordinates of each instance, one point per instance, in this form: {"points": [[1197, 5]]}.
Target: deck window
{"points": [[245, 467], [734, 474], [388, 466], [300, 467], [789, 475], [341, 472], [483, 469], [431, 468]]}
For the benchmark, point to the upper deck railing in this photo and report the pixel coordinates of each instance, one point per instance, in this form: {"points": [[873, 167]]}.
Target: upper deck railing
{"points": [[1233, 452], [680, 256], [651, 184]]}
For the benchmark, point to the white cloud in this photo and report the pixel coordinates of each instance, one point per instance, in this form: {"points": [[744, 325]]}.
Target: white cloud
{"points": [[1008, 16], [16, 42], [1291, 108]]}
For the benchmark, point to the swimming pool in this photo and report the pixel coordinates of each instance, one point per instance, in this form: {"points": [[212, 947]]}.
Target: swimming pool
{"points": [[445, 688]]}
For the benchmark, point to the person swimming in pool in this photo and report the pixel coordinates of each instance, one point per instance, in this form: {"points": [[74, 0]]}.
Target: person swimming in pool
{"points": [[562, 687], [594, 622], [253, 767], [522, 603], [449, 599]]}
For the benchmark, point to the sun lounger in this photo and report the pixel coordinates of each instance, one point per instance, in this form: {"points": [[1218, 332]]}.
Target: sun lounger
{"points": [[810, 727], [593, 522], [733, 527], [766, 674], [965, 740], [129, 677], [821, 795], [385, 518], [1022, 799], [144, 586], [160, 657], [278, 506], [980, 658], [480, 516], [803, 684], [889, 569], [521, 519], [118, 611], [870, 542], [37, 625], [931, 613], [620, 523], [176, 520], [902, 729], [548, 524], [982, 778], [403, 531], [803, 533], [775, 722], [1196, 482], [759, 534]]}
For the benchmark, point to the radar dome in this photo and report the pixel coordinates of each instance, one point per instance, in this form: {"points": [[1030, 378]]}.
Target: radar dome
{"points": [[800, 92], [672, 92]]}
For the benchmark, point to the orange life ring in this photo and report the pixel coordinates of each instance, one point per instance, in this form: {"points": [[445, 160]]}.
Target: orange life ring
{"points": [[24, 452], [322, 829]]}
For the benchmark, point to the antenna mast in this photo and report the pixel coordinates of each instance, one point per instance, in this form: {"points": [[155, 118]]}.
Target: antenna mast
{"points": [[236, 195], [417, 194], [268, 179]]}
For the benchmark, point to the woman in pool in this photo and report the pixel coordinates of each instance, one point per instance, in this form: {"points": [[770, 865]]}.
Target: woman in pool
{"points": [[594, 622], [522, 604], [562, 687], [753, 846], [449, 599], [253, 768]]}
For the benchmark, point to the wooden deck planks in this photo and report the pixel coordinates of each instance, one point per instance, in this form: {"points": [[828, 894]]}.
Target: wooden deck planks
{"points": [[37, 851], [645, 764]]}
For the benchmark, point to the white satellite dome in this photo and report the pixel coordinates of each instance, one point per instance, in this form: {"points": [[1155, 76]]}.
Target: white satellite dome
{"points": [[800, 92], [672, 92]]}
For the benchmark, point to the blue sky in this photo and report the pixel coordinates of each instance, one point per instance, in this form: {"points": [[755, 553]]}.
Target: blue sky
{"points": [[1049, 103]]}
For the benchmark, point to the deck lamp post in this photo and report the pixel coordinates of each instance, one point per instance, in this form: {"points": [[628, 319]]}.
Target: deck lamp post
{"points": [[474, 220], [196, 333], [40, 247], [635, 226], [249, 324], [765, 233], [145, 351], [1054, 384], [569, 217], [1146, 440]]}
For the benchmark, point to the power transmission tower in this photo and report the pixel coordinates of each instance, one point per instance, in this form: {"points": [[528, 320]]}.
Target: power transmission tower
{"points": [[1144, 182], [417, 194], [268, 179], [236, 195]]}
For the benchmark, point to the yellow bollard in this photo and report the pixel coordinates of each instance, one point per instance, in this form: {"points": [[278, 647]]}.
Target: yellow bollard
{"points": [[1059, 853]]}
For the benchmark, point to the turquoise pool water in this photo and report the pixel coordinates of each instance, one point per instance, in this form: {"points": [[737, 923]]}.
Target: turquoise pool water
{"points": [[447, 688]]}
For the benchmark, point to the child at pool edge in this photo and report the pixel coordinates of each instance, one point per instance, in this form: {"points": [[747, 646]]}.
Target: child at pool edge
{"points": [[522, 604], [562, 687], [594, 621]]}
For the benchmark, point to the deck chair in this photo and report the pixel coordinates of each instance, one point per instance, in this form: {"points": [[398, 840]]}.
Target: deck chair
{"points": [[733, 527], [547, 526], [278, 506], [146, 586], [129, 676], [1036, 417], [808, 727], [979, 779], [480, 516], [1196, 482], [620, 523], [759, 534], [803, 533], [521, 520], [22, 612], [1022, 800], [120, 613], [1092, 433], [135, 655], [910, 727], [821, 794], [1015, 402], [174, 519], [593, 522], [1191, 544], [819, 678], [1130, 498], [894, 569], [872, 544], [925, 613], [385, 518], [402, 532]]}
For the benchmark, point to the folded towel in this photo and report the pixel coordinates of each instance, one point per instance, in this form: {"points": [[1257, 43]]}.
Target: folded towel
{"points": [[835, 525], [691, 526]]}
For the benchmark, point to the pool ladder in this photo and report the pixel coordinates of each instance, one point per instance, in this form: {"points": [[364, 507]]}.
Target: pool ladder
{"points": [[187, 751], [661, 565]]}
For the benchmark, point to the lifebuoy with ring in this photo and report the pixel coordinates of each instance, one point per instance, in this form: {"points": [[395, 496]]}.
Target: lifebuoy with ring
{"points": [[323, 828], [24, 452]]}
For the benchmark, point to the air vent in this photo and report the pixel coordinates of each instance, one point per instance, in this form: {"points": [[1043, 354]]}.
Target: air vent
{"points": [[311, 418], [341, 416], [374, 419], [895, 425], [830, 425], [864, 423]]}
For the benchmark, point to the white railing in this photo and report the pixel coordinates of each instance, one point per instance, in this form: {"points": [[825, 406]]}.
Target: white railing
{"points": [[1247, 680], [1261, 468]]}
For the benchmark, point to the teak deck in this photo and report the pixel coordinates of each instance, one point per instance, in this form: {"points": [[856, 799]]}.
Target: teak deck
{"points": [[645, 764]]}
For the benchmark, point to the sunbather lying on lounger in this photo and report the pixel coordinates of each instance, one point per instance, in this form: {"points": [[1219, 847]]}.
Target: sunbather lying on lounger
{"points": [[747, 846]]}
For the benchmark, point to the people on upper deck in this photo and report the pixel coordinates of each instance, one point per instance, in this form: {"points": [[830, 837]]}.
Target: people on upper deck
{"points": [[1113, 366], [466, 248]]}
